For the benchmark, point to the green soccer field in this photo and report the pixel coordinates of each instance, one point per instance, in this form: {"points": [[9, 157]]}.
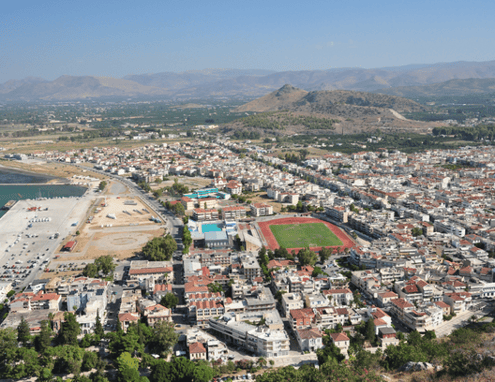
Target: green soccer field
{"points": [[304, 235]]}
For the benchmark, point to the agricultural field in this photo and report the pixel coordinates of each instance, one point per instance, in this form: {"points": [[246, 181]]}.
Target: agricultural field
{"points": [[304, 235]]}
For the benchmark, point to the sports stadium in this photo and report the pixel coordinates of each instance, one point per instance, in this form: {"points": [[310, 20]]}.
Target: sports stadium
{"points": [[295, 233]]}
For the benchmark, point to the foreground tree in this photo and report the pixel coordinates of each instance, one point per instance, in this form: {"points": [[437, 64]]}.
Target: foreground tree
{"points": [[98, 326], [69, 330], [325, 254], [43, 341], [160, 248], [105, 264], [164, 337], [23, 332], [307, 257], [90, 270], [170, 300]]}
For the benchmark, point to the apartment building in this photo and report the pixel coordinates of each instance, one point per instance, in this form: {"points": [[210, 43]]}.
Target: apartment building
{"points": [[201, 214], [250, 267], [399, 307], [261, 209], [260, 340], [291, 301], [338, 297], [310, 339], [337, 213], [234, 212]]}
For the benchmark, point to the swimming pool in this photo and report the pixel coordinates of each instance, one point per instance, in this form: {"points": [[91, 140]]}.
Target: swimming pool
{"points": [[211, 228]]}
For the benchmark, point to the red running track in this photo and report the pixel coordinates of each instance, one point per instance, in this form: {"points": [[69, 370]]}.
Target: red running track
{"points": [[272, 242]]}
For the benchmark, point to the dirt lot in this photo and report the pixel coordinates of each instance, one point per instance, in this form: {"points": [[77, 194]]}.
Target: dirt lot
{"points": [[120, 245], [191, 182], [136, 214], [51, 275]]}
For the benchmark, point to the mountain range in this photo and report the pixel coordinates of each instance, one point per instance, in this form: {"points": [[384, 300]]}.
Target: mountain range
{"points": [[255, 83]]}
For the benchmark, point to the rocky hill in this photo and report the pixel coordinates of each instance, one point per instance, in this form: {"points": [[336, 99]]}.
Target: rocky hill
{"points": [[290, 110], [340, 103]]}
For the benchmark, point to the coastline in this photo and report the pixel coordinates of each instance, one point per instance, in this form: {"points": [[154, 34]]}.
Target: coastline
{"points": [[33, 178]]}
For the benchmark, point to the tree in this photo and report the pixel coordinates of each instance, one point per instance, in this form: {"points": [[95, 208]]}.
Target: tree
{"points": [[329, 352], [8, 348], [178, 209], [102, 185], [325, 254], [126, 361], [160, 248], [182, 370], [317, 271], [307, 257], [370, 333], [160, 372], [90, 270], [128, 369], [69, 330], [121, 342], [98, 326], [23, 333], [203, 373], [416, 231], [105, 264], [262, 361], [215, 288], [164, 337], [186, 239], [44, 339], [90, 360], [170, 300], [299, 206]]}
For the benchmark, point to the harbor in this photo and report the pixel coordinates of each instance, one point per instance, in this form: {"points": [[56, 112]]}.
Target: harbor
{"points": [[9, 194], [32, 231]]}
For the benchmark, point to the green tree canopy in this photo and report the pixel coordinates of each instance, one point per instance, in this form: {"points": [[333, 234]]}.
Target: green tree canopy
{"points": [[307, 257], [105, 264], [215, 288], [186, 239], [98, 326], [164, 337], [325, 254], [160, 248], [90, 270], [44, 339], [23, 333], [69, 330], [170, 300]]}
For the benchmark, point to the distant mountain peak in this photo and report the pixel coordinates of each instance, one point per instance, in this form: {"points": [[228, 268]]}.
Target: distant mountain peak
{"points": [[286, 89]]}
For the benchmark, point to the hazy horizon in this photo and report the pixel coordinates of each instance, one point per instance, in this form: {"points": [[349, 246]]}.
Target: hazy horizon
{"points": [[115, 39]]}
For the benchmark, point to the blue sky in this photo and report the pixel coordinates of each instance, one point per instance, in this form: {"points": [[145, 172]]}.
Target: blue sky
{"points": [[115, 38]]}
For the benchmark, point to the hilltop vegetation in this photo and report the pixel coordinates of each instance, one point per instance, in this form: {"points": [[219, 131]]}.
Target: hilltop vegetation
{"points": [[281, 120]]}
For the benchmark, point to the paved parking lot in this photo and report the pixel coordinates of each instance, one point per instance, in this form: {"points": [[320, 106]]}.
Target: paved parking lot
{"points": [[29, 241]]}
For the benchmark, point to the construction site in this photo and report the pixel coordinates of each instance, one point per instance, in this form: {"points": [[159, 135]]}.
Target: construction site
{"points": [[116, 226]]}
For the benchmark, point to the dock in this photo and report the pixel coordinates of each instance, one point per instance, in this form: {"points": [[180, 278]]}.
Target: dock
{"points": [[9, 205]]}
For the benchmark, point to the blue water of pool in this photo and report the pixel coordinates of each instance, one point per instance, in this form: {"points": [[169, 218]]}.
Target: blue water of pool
{"points": [[211, 228]]}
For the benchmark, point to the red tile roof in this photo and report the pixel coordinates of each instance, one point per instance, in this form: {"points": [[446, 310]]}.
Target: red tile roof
{"points": [[196, 347], [337, 337]]}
